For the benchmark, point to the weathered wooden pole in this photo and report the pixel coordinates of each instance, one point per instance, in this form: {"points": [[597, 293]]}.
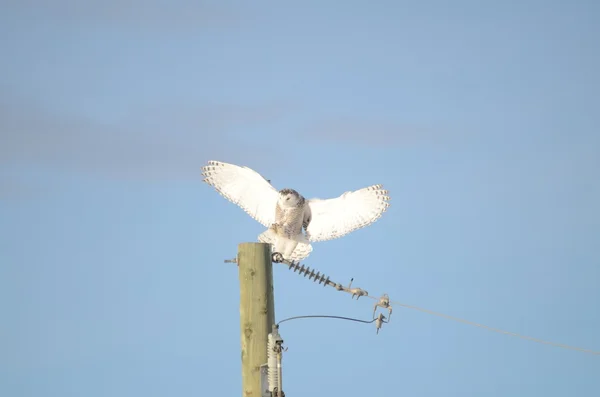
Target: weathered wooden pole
{"points": [[257, 312]]}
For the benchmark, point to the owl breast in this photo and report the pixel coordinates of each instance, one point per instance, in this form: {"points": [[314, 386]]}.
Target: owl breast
{"points": [[290, 220]]}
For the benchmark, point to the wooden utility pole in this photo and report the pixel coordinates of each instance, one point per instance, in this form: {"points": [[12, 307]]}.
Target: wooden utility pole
{"points": [[257, 311]]}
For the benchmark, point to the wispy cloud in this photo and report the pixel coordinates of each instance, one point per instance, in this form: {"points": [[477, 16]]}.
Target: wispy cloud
{"points": [[376, 133], [153, 14], [15, 190], [152, 143]]}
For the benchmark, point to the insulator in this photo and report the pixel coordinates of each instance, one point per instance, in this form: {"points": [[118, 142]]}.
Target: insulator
{"points": [[271, 363], [312, 275]]}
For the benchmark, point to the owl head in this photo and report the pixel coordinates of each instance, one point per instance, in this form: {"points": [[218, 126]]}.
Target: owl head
{"points": [[289, 198]]}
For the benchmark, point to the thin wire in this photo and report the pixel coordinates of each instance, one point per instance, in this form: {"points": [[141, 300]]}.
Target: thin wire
{"points": [[325, 316], [328, 282], [460, 320]]}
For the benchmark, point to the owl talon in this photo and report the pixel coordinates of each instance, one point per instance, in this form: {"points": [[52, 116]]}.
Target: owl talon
{"points": [[277, 257]]}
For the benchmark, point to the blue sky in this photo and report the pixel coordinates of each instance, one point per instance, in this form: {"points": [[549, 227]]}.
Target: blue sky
{"points": [[481, 118]]}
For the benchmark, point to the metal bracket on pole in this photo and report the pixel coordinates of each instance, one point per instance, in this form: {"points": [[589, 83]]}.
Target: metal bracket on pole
{"points": [[384, 302], [264, 382], [358, 292], [379, 322]]}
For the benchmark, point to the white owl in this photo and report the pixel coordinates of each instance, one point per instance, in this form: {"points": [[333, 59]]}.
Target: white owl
{"points": [[286, 213]]}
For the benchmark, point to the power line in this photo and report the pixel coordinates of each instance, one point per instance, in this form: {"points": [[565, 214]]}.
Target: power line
{"points": [[326, 316], [384, 302], [500, 331]]}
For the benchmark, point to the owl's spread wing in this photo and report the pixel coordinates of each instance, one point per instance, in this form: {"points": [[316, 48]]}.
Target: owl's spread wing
{"points": [[244, 187], [336, 217]]}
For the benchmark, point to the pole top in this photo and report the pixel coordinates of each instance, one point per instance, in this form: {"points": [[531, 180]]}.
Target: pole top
{"points": [[255, 243]]}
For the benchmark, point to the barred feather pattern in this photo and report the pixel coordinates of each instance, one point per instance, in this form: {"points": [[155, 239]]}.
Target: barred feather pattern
{"points": [[352, 210], [322, 219], [244, 187]]}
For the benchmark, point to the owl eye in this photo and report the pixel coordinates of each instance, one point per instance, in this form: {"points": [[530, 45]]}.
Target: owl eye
{"points": [[287, 199]]}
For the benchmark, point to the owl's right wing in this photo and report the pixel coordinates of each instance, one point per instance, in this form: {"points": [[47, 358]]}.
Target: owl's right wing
{"points": [[244, 187]]}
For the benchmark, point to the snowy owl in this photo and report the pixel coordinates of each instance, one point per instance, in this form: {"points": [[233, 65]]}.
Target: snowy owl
{"points": [[286, 213]]}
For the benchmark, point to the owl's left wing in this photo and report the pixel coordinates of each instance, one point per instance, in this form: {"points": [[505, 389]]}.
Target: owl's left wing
{"points": [[336, 217], [244, 187]]}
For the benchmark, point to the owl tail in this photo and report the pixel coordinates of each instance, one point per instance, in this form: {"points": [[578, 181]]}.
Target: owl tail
{"points": [[282, 244]]}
